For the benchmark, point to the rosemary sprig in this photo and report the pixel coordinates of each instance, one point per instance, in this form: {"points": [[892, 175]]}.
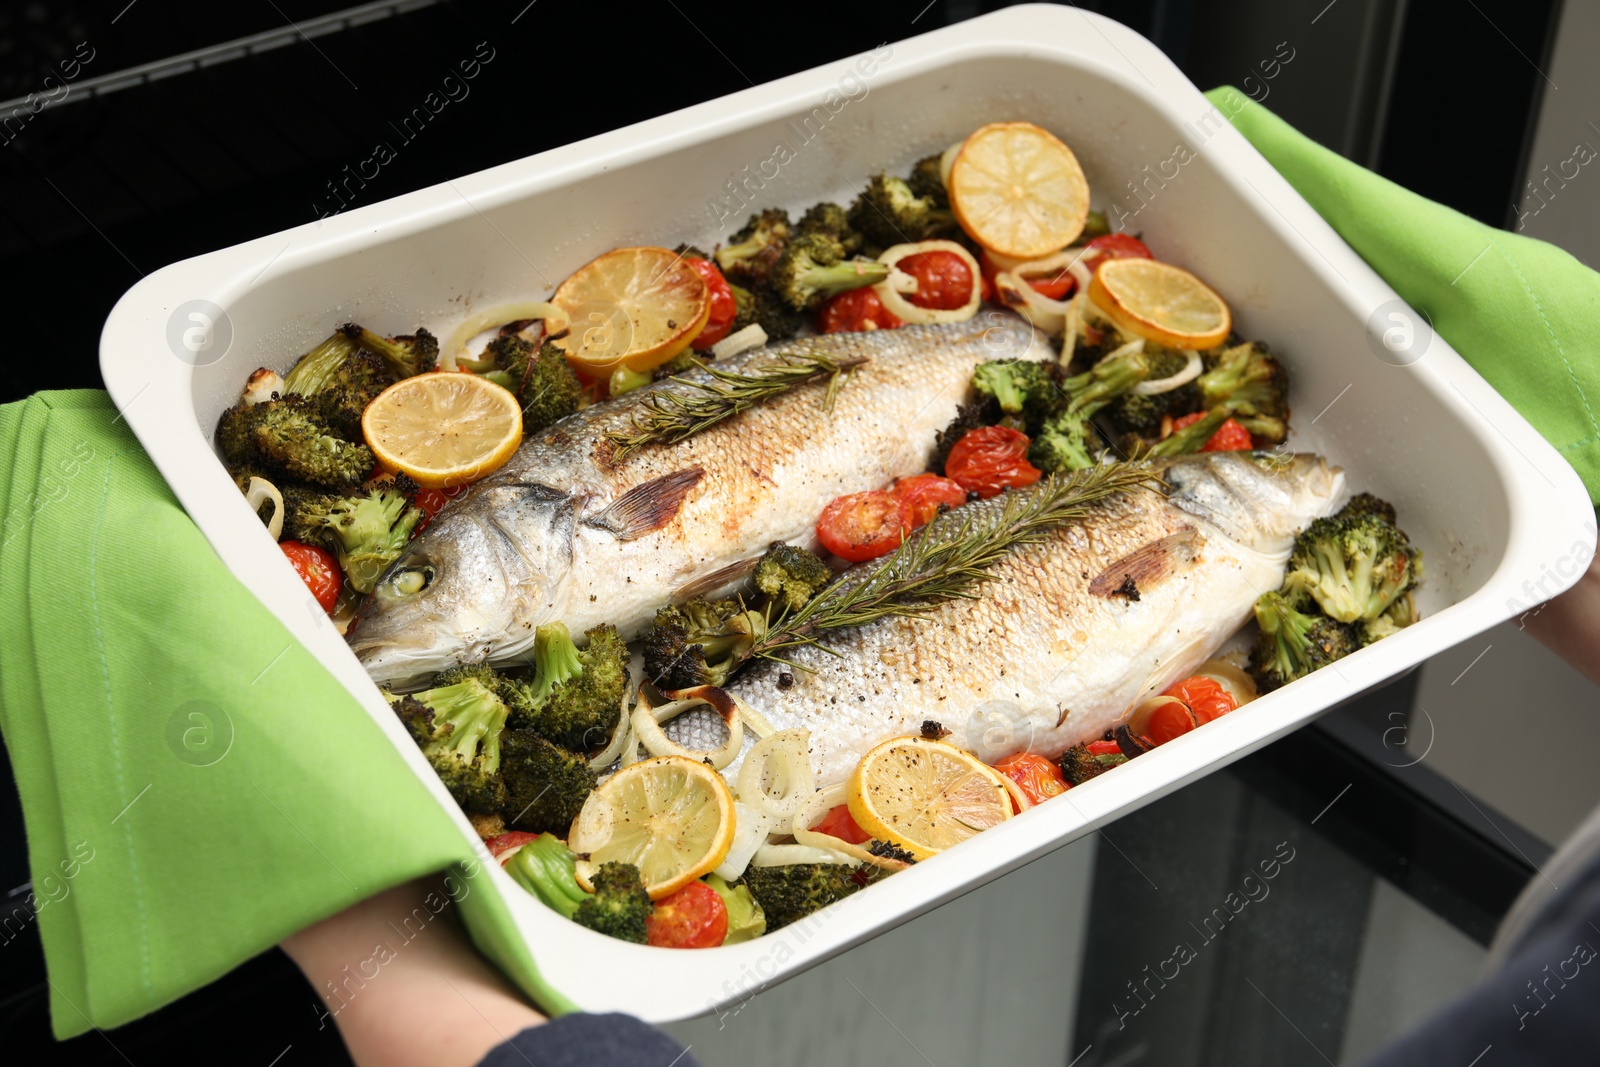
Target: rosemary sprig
{"points": [[668, 416], [950, 556]]}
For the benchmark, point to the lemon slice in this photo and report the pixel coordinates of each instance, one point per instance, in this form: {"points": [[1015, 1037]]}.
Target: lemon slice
{"points": [[443, 429], [671, 817], [924, 795], [633, 307], [1017, 190], [1160, 303]]}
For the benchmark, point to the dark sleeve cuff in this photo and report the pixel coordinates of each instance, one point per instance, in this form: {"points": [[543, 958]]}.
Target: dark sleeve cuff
{"points": [[589, 1040]]}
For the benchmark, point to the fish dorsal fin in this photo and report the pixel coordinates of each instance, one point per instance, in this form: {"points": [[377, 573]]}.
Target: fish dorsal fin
{"points": [[1148, 565], [715, 581], [649, 506]]}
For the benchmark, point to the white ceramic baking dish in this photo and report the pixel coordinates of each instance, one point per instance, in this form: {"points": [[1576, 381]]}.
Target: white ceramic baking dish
{"points": [[1491, 503]]}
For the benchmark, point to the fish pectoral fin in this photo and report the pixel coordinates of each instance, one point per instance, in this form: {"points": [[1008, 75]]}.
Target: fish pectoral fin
{"points": [[1148, 565], [714, 581], [649, 506]]}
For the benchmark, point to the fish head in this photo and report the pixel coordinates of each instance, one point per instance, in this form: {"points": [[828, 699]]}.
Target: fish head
{"points": [[1259, 499], [472, 588]]}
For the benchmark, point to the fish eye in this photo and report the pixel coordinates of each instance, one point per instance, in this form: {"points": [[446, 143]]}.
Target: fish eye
{"points": [[411, 581]]}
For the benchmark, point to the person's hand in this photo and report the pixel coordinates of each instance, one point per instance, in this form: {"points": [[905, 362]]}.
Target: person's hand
{"points": [[403, 983], [1569, 625]]}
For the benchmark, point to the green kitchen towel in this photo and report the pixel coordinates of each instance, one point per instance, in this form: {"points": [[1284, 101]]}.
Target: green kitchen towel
{"points": [[1524, 313], [195, 785]]}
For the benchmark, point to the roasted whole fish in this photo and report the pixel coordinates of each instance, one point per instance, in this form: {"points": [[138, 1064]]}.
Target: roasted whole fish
{"points": [[1066, 635], [562, 532]]}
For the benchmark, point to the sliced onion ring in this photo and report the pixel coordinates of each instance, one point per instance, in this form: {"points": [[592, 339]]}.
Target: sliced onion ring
{"points": [[1023, 800], [750, 830], [1190, 371], [752, 336], [906, 311], [258, 492], [754, 719], [619, 737], [782, 760], [647, 724], [819, 805], [1031, 304], [1239, 684], [789, 855], [499, 315], [947, 159]]}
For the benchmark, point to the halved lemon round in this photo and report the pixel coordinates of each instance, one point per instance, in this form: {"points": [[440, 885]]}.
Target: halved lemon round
{"points": [[443, 429], [925, 795], [633, 307], [1160, 303], [671, 817], [1017, 190]]}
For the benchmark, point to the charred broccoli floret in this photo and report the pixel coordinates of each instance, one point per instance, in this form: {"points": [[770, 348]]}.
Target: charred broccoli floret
{"points": [[321, 368], [575, 698], [289, 435], [750, 254], [620, 904], [470, 672], [888, 213], [1293, 643], [792, 892], [366, 532], [1078, 764], [1353, 567], [1367, 504], [830, 220], [927, 181], [813, 268], [1251, 383], [341, 379], [1401, 613], [545, 784], [547, 868], [790, 576], [1018, 385], [777, 318], [544, 381], [1066, 442], [700, 642], [406, 354], [458, 727]]}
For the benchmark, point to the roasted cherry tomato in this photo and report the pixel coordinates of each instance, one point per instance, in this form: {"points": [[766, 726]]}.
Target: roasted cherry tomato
{"points": [[839, 823], [1104, 748], [693, 917], [1231, 436], [990, 459], [1205, 696], [1115, 246], [853, 311], [861, 526], [1039, 778], [944, 281], [505, 846], [318, 568], [723, 308], [1163, 722], [922, 496]]}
